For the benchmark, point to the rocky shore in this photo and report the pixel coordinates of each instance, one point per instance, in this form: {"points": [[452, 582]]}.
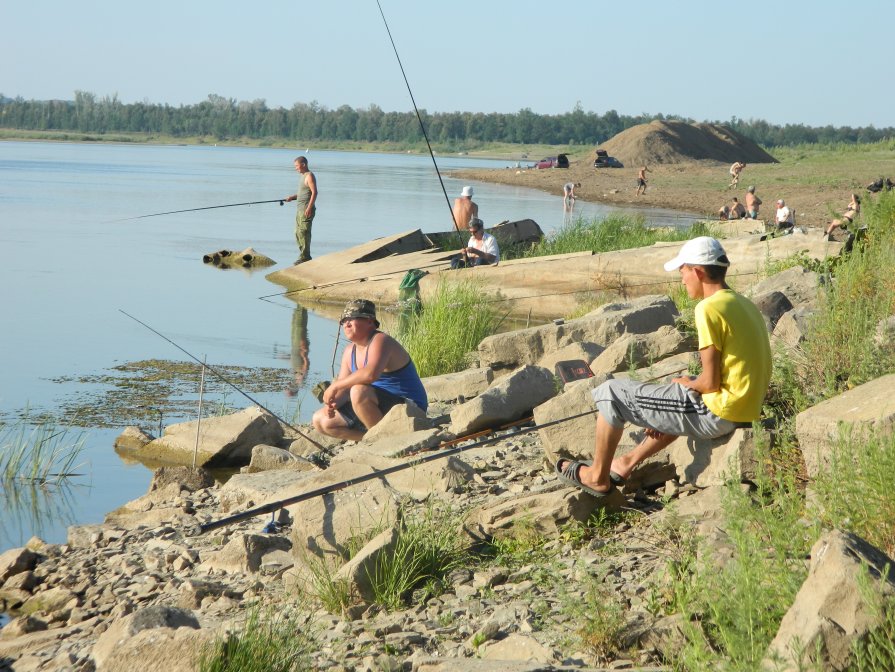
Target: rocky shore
{"points": [[550, 578]]}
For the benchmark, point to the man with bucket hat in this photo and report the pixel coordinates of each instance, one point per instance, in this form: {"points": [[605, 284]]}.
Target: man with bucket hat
{"points": [[376, 374], [735, 353]]}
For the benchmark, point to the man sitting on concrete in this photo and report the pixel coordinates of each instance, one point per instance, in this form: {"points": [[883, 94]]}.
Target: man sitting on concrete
{"points": [[736, 368], [482, 247], [737, 210], [376, 374], [784, 216]]}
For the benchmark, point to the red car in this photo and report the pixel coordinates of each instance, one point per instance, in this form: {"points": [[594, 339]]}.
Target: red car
{"points": [[546, 163]]}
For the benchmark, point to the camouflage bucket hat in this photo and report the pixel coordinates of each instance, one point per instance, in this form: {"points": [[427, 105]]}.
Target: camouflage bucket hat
{"points": [[359, 308]]}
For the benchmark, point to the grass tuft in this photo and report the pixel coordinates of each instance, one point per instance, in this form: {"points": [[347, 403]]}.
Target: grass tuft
{"points": [[269, 641], [452, 323]]}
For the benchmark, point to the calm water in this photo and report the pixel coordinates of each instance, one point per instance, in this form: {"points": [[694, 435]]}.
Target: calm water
{"points": [[71, 264]]}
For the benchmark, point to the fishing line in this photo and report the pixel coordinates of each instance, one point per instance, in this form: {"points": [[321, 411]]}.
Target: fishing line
{"points": [[208, 207], [224, 379], [422, 127], [335, 487]]}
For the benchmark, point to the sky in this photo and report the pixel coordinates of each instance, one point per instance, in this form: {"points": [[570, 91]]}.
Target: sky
{"points": [[788, 61]]}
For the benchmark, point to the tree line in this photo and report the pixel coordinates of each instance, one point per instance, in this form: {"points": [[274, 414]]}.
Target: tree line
{"points": [[223, 118]]}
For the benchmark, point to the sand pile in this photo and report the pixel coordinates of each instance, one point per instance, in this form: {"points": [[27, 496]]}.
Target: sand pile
{"points": [[680, 142]]}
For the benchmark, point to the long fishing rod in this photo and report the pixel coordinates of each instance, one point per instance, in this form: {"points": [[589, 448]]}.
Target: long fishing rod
{"points": [[224, 379], [422, 127], [208, 207], [335, 487]]}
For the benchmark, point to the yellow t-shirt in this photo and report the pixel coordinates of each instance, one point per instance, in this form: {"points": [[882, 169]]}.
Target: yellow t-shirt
{"points": [[733, 324]]}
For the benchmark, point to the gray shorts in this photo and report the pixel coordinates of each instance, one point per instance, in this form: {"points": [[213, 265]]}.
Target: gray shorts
{"points": [[670, 408]]}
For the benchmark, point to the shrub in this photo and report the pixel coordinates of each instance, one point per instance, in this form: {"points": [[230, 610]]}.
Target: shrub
{"points": [[269, 641], [452, 322], [428, 548]]}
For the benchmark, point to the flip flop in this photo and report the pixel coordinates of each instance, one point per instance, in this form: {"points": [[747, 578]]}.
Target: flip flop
{"points": [[569, 475], [617, 479]]}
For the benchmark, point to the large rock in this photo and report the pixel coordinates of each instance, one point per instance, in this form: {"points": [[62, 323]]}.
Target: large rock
{"points": [[226, 441], [461, 385], [267, 458], [396, 446], [772, 305], [508, 400], [633, 351], [186, 478], [831, 612], [15, 561], [517, 647], [707, 462], [544, 511], [586, 352], [572, 438], [792, 327], [245, 553], [328, 524], [118, 642], [797, 284], [601, 326], [400, 419], [132, 438], [358, 571], [858, 413], [664, 370]]}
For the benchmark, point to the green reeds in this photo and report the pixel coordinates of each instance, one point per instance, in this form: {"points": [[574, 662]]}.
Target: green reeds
{"points": [[614, 232], [452, 323], [39, 454]]}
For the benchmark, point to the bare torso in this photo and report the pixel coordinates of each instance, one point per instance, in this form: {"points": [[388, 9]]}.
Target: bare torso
{"points": [[464, 210]]}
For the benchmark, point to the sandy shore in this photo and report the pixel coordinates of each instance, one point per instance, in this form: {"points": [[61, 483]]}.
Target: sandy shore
{"points": [[816, 191]]}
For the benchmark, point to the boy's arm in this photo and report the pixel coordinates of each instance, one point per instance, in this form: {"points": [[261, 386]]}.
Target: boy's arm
{"points": [[710, 378]]}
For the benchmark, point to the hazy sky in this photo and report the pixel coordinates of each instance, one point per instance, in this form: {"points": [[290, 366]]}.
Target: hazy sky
{"points": [[786, 61]]}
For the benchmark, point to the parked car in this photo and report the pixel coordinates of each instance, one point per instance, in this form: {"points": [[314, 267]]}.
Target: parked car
{"points": [[549, 162], [603, 160]]}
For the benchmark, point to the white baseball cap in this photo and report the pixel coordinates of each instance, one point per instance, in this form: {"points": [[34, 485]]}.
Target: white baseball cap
{"points": [[702, 251], [467, 191]]}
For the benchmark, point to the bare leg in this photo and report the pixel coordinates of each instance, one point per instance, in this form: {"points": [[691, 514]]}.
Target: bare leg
{"points": [[334, 426], [366, 405], [652, 443]]}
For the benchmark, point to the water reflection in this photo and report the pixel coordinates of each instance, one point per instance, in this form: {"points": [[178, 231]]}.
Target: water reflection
{"points": [[35, 510], [301, 347]]}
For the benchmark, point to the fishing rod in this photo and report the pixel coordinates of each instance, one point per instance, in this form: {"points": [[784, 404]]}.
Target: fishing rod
{"points": [[345, 282], [335, 487], [423, 129], [224, 379], [208, 207]]}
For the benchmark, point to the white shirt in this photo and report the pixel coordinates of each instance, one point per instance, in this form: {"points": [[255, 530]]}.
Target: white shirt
{"points": [[487, 244], [783, 215]]}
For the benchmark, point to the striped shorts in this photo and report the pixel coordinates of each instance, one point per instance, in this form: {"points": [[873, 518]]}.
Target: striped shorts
{"points": [[670, 408]]}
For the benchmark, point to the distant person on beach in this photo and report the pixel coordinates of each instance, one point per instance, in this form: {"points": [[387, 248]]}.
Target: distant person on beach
{"points": [[376, 374], [735, 171], [724, 213], [848, 217], [753, 203], [307, 208], [482, 249], [737, 210], [641, 180], [568, 195], [464, 209], [784, 216], [735, 353]]}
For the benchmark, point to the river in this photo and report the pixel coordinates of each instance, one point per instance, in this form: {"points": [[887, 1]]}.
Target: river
{"points": [[79, 250]]}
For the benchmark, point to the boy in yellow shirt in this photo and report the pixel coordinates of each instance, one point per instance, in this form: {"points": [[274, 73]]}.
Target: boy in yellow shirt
{"points": [[736, 369]]}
